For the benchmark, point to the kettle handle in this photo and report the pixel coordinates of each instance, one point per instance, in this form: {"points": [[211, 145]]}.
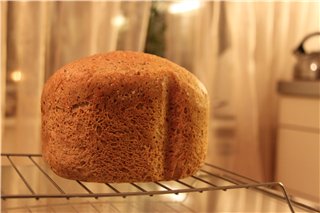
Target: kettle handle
{"points": [[300, 48]]}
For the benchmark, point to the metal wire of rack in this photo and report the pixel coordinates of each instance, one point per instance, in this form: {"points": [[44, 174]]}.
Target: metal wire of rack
{"points": [[220, 173]]}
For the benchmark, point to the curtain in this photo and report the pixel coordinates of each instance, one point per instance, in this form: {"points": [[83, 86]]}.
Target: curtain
{"points": [[39, 37], [240, 51], [3, 25]]}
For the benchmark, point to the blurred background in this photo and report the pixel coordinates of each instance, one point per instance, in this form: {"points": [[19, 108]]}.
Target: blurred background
{"points": [[264, 119]]}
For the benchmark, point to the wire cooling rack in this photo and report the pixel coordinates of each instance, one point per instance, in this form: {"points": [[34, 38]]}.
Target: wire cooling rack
{"points": [[227, 181]]}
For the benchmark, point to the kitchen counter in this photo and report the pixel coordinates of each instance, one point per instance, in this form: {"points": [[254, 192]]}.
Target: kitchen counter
{"points": [[231, 200], [299, 88], [242, 200], [298, 132]]}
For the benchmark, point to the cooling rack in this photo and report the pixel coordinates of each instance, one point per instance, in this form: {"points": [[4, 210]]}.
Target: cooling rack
{"points": [[227, 181]]}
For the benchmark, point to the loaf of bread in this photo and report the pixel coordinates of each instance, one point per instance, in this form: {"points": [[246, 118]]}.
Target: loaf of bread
{"points": [[124, 117]]}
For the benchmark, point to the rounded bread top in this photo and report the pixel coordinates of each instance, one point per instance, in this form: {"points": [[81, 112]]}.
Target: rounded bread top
{"points": [[82, 76]]}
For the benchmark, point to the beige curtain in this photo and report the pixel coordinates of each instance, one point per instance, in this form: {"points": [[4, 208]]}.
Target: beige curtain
{"points": [[3, 9], [41, 37], [240, 51]]}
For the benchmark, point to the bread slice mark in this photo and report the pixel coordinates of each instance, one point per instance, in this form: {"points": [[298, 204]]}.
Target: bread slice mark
{"points": [[165, 120]]}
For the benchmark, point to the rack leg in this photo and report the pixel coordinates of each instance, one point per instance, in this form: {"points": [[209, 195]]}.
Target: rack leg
{"points": [[286, 196]]}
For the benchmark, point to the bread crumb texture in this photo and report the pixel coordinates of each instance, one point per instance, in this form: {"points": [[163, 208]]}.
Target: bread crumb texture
{"points": [[124, 117]]}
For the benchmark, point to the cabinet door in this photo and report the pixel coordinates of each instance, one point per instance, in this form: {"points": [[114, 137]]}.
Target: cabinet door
{"points": [[302, 112], [298, 162]]}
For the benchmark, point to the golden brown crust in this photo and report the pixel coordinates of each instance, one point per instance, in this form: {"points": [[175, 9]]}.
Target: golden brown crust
{"points": [[124, 117]]}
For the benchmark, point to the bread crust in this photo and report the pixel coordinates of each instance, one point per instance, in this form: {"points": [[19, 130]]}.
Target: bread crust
{"points": [[124, 117]]}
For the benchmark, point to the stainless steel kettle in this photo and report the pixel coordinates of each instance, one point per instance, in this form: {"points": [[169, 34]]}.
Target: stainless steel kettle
{"points": [[308, 64]]}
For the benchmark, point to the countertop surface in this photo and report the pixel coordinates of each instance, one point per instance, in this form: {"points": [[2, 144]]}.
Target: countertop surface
{"points": [[232, 200], [300, 88]]}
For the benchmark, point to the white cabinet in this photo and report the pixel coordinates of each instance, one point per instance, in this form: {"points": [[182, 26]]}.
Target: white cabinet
{"points": [[298, 149]]}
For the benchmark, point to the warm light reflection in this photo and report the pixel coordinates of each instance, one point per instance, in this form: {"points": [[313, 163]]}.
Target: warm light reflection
{"points": [[16, 75], [177, 197], [313, 67], [184, 6], [118, 21]]}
